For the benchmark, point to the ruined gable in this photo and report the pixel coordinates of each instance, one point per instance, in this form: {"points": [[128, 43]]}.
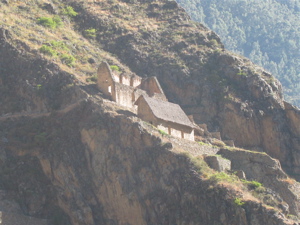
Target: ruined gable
{"points": [[125, 89], [153, 88], [105, 80]]}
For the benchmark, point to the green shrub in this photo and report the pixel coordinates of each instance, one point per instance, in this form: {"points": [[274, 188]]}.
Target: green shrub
{"points": [[39, 87], [203, 143], [47, 50], [115, 68], [69, 11], [46, 22], [252, 184], [59, 45], [52, 23], [214, 42], [58, 21], [222, 176], [69, 60], [239, 201], [90, 33], [92, 79], [163, 133], [217, 143], [241, 73], [201, 166]]}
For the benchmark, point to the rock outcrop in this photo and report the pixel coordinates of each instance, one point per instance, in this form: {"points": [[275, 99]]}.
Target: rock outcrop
{"points": [[225, 91], [71, 156], [106, 168]]}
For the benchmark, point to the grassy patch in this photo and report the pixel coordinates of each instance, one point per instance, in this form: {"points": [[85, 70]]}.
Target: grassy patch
{"points": [[58, 45], [218, 143], [200, 165], [115, 68], [239, 201], [261, 193], [92, 79], [69, 11], [39, 87], [252, 184], [203, 143], [48, 22], [163, 133], [58, 48], [90, 33], [67, 59], [223, 177], [47, 50]]}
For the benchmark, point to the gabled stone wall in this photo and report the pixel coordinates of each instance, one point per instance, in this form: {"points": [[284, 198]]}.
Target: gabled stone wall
{"points": [[126, 89], [105, 81]]}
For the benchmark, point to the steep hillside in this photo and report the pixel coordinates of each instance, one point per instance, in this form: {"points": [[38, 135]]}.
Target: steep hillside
{"points": [[71, 156], [267, 32]]}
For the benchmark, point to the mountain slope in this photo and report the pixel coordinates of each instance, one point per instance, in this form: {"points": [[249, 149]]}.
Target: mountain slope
{"points": [[71, 156], [267, 32]]}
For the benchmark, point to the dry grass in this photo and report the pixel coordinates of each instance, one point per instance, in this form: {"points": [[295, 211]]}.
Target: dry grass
{"points": [[21, 20], [288, 181]]}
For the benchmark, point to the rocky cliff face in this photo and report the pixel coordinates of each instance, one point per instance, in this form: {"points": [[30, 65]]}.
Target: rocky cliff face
{"points": [[73, 157], [106, 168], [225, 91]]}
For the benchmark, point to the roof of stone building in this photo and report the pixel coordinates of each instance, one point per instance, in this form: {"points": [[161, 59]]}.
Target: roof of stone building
{"points": [[167, 111]]}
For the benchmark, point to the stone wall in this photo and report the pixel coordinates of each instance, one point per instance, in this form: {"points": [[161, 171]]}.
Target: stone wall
{"points": [[135, 81], [152, 87], [123, 95], [105, 82], [189, 136], [137, 93], [145, 113], [125, 89], [125, 80], [159, 96], [178, 130], [116, 77]]}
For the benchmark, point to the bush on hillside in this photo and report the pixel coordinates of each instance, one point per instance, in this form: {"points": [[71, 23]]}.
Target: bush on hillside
{"points": [[48, 22]]}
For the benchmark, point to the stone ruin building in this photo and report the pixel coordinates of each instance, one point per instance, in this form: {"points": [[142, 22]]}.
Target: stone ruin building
{"points": [[166, 116], [147, 95]]}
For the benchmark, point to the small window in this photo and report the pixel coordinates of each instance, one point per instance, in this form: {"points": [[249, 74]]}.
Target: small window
{"points": [[169, 130]]}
